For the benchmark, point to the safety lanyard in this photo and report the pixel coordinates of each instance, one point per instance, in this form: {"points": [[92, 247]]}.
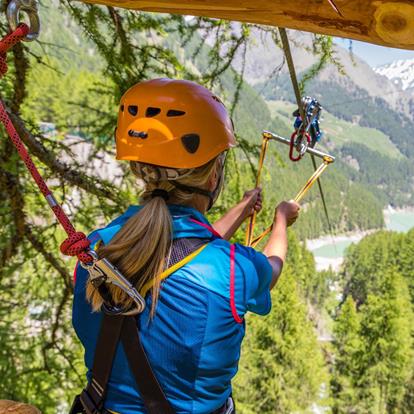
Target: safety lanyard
{"points": [[76, 244]]}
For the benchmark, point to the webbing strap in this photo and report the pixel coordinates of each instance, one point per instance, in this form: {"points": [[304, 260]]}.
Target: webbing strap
{"points": [[151, 392], [93, 397], [171, 269], [113, 330]]}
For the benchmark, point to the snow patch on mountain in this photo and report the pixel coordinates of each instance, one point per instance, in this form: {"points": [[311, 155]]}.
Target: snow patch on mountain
{"points": [[401, 72]]}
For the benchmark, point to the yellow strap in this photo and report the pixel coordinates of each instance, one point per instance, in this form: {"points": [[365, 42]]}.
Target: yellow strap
{"points": [[171, 269]]}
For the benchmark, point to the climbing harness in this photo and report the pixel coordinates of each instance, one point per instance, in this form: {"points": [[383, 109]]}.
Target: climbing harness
{"points": [[118, 324], [123, 328], [303, 140], [101, 271], [115, 329]]}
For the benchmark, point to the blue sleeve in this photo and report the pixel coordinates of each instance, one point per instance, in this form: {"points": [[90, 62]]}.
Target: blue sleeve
{"points": [[257, 279]]}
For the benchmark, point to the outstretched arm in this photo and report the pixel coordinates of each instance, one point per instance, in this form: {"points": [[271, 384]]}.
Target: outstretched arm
{"points": [[232, 220], [276, 248]]}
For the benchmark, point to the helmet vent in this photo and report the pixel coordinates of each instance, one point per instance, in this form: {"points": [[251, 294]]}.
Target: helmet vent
{"points": [[175, 112], [152, 112], [133, 109], [191, 142], [122, 108]]}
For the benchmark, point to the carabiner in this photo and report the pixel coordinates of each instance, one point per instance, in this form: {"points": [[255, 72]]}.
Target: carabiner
{"points": [[300, 143], [103, 271], [30, 8]]}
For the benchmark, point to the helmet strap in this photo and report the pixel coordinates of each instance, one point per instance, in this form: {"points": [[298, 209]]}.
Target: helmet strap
{"points": [[189, 189]]}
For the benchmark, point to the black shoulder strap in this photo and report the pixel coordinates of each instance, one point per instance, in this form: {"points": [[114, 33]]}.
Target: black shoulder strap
{"points": [[151, 392], [93, 396], [114, 329]]}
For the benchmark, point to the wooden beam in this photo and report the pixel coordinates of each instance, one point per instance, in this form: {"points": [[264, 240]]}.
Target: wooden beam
{"points": [[387, 23]]}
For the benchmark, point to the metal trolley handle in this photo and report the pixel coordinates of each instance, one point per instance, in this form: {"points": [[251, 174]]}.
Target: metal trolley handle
{"points": [[30, 8]]}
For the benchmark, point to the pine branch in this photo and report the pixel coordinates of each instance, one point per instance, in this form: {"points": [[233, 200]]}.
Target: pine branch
{"points": [[95, 186]]}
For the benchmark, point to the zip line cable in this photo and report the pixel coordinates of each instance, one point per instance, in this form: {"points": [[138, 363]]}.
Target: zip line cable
{"points": [[292, 72], [268, 136]]}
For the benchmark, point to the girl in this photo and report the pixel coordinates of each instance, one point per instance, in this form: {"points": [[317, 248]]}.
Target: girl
{"points": [[197, 286]]}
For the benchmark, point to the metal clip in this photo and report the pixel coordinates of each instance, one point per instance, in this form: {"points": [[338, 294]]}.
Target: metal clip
{"points": [[30, 8], [103, 271]]}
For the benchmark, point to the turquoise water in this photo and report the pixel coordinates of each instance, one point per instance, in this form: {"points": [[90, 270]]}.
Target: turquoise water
{"points": [[399, 221], [332, 251]]}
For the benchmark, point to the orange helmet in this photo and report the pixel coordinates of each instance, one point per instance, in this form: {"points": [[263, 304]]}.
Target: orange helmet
{"points": [[172, 123]]}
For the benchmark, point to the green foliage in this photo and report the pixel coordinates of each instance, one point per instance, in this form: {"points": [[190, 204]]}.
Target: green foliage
{"points": [[373, 330], [348, 347], [390, 176], [282, 368], [387, 360]]}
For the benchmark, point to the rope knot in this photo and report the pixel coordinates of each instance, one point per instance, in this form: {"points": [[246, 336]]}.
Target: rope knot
{"points": [[77, 244]]}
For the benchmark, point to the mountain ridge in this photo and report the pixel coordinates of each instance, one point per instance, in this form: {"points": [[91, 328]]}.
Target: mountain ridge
{"points": [[400, 71], [264, 63]]}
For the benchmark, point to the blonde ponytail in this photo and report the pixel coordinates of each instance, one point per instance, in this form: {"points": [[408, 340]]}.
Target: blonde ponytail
{"points": [[142, 247]]}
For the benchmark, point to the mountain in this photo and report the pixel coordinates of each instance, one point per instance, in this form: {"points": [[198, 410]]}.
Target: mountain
{"points": [[264, 63], [355, 190], [367, 117], [401, 72]]}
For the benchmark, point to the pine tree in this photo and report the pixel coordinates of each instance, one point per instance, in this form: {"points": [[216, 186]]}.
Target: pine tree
{"points": [[348, 348], [387, 344], [282, 368]]}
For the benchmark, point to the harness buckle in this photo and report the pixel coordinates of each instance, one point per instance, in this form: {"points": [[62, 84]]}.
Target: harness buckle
{"points": [[30, 8], [103, 271]]}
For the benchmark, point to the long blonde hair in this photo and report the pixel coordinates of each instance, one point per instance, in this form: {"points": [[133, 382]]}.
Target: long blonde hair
{"points": [[141, 248]]}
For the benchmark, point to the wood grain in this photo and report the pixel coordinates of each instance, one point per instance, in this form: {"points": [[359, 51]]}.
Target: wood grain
{"points": [[387, 23]]}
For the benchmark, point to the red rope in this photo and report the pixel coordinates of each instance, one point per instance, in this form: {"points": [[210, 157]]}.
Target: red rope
{"points": [[76, 244]]}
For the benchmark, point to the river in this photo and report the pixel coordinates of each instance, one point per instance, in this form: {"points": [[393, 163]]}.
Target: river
{"points": [[329, 251]]}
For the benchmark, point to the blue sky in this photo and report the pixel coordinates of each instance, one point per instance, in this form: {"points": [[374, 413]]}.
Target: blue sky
{"points": [[376, 55]]}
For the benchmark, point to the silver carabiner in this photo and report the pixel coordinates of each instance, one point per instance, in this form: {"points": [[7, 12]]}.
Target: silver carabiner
{"points": [[30, 8], [103, 271]]}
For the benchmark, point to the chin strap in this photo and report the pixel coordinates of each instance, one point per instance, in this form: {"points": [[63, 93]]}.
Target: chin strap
{"points": [[190, 189]]}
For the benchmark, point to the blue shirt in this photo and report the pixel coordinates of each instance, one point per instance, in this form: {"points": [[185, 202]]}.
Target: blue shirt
{"points": [[193, 342]]}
